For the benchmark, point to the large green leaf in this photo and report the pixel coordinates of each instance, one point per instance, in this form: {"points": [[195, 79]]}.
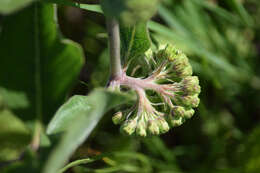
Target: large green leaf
{"points": [[37, 60], [78, 117], [9, 6], [14, 136], [135, 40]]}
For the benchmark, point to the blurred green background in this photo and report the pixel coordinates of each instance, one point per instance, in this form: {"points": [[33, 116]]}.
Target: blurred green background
{"points": [[222, 40]]}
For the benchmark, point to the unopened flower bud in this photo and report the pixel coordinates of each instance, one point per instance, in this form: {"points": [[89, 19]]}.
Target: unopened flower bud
{"points": [[178, 111], [117, 118], [189, 113], [163, 125], [129, 126], [180, 72], [190, 85], [153, 127], [188, 101], [141, 129], [186, 71], [177, 121], [180, 61], [168, 52]]}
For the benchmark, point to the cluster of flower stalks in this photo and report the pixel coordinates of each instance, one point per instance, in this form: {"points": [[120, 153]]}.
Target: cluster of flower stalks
{"points": [[166, 97]]}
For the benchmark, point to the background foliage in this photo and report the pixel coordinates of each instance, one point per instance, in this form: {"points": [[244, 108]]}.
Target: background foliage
{"points": [[40, 70]]}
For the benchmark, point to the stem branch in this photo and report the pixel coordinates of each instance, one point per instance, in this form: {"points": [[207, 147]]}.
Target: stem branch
{"points": [[114, 47]]}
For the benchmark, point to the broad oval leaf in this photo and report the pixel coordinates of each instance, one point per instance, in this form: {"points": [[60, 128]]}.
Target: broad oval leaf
{"points": [[78, 117]]}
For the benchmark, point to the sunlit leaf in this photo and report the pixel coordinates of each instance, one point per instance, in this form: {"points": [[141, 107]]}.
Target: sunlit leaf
{"points": [[78, 117]]}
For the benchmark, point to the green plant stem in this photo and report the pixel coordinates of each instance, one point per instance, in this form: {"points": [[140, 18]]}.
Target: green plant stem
{"points": [[76, 163], [38, 85], [36, 135], [114, 47]]}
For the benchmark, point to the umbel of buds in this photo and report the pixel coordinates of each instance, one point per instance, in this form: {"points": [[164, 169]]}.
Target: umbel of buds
{"points": [[166, 98]]}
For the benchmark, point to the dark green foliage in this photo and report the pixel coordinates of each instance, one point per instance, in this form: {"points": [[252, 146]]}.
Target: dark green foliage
{"points": [[46, 65]]}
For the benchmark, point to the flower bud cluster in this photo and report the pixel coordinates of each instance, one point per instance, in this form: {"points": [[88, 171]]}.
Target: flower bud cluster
{"points": [[181, 96], [175, 88], [143, 121]]}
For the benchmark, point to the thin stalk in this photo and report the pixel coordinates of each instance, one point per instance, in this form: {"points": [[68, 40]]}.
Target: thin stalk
{"points": [[76, 163], [114, 47], [38, 85]]}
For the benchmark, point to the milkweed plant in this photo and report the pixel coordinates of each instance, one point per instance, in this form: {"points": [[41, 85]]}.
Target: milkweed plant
{"points": [[167, 93]]}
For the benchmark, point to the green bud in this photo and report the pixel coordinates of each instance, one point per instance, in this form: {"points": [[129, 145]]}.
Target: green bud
{"points": [[141, 129], [180, 61], [163, 125], [178, 111], [129, 126], [177, 121], [188, 101], [168, 52], [153, 127], [189, 113], [180, 72], [187, 71], [117, 118], [190, 85]]}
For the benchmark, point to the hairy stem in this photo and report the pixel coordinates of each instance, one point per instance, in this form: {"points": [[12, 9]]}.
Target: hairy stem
{"points": [[114, 47]]}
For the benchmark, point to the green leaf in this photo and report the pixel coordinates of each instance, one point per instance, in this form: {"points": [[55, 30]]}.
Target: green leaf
{"points": [[83, 113], [90, 7], [67, 113], [45, 65], [10, 6], [76, 163], [13, 99], [14, 136], [129, 11], [135, 40]]}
